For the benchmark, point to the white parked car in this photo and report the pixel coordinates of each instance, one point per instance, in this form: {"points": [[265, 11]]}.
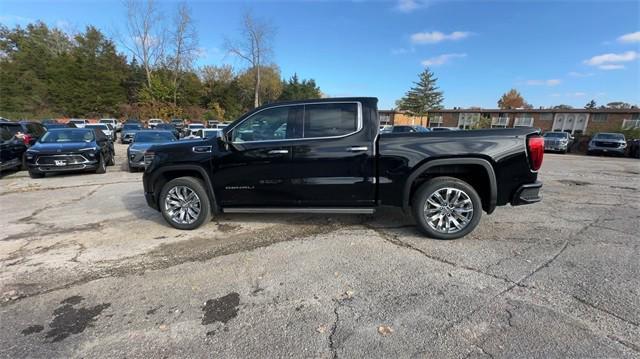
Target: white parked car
{"points": [[208, 133], [106, 128], [191, 128], [113, 122], [153, 122], [79, 122]]}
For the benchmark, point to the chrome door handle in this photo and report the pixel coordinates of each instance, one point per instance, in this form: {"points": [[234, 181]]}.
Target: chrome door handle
{"points": [[278, 152], [357, 148]]}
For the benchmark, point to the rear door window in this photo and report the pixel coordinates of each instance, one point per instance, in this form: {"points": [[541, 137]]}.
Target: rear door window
{"points": [[330, 120]]}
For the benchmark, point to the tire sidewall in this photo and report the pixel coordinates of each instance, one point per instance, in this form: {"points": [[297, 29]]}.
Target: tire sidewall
{"points": [[423, 193], [198, 187]]}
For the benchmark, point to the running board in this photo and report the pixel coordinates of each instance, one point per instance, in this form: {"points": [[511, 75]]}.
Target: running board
{"points": [[300, 210]]}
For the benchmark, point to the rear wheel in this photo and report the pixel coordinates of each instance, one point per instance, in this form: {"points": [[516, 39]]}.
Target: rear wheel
{"points": [[184, 203], [446, 208]]}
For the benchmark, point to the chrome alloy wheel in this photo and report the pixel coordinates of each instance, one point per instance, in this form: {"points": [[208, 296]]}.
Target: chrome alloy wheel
{"points": [[182, 205], [448, 210]]}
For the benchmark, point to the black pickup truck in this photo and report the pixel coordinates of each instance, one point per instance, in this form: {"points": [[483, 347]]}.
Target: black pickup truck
{"points": [[327, 156]]}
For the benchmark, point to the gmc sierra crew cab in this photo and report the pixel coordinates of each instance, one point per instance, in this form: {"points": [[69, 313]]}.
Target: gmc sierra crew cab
{"points": [[327, 156]]}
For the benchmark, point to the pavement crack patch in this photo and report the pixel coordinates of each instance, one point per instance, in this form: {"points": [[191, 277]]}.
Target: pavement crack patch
{"points": [[606, 311], [334, 328], [393, 239], [625, 343]]}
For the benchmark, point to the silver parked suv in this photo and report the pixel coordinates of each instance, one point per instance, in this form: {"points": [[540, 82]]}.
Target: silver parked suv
{"points": [[558, 141], [606, 143]]}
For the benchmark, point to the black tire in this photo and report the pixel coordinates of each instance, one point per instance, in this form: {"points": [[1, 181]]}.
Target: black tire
{"points": [[23, 163], [194, 185], [111, 161], [428, 189], [34, 174], [102, 165]]}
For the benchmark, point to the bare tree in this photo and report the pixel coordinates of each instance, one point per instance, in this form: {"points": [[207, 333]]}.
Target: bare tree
{"points": [[254, 46], [185, 46], [147, 34]]}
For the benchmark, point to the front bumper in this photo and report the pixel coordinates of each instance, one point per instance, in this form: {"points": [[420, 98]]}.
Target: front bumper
{"points": [[558, 146], [527, 194], [606, 150]]}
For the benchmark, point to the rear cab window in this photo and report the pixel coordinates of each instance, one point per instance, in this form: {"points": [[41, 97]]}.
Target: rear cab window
{"points": [[330, 120]]}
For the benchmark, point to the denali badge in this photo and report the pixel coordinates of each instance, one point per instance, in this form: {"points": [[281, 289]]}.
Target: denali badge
{"points": [[60, 162]]}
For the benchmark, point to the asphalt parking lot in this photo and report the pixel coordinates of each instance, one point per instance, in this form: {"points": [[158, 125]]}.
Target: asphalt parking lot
{"points": [[89, 270]]}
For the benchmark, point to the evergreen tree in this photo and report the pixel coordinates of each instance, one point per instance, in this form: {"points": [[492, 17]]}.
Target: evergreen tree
{"points": [[294, 89], [591, 105], [423, 97]]}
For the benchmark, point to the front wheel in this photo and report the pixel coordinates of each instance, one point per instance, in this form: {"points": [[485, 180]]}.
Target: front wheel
{"points": [[102, 165], [34, 174], [446, 208], [184, 203]]}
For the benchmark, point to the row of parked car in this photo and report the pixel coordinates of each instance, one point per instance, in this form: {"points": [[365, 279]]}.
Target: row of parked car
{"points": [[80, 145], [604, 143]]}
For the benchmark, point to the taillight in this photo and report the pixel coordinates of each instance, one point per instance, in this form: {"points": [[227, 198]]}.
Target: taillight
{"points": [[26, 139], [535, 146]]}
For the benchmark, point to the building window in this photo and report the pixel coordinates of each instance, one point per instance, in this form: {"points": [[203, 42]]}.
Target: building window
{"points": [[546, 117], [630, 124], [468, 120], [385, 118], [435, 120], [600, 117], [499, 122], [524, 121]]}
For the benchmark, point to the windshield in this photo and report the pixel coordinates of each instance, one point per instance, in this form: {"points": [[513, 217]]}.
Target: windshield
{"points": [[100, 126], [149, 136], [165, 126], [556, 135], [77, 121], [131, 127], [610, 136], [64, 136], [107, 121]]}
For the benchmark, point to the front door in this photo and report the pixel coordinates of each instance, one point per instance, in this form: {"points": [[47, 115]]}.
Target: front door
{"points": [[255, 170]]}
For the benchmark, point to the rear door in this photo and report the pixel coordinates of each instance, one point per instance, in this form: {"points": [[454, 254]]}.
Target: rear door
{"points": [[256, 169], [332, 163]]}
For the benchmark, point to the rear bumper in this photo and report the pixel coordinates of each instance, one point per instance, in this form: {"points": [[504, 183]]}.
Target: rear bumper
{"points": [[527, 194]]}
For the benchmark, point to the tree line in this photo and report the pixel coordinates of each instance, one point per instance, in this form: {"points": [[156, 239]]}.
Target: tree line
{"points": [[48, 73], [425, 96]]}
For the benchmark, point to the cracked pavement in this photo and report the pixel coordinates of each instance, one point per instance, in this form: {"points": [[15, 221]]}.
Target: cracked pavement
{"points": [[88, 270]]}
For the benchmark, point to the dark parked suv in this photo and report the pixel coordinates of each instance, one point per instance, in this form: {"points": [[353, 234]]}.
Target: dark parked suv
{"points": [[326, 156], [12, 148], [70, 149]]}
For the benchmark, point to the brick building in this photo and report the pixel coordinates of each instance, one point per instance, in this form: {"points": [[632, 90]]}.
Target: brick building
{"points": [[575, 121]]}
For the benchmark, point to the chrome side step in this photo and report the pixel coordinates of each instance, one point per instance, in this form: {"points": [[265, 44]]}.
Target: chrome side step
{"points": [[300, 210]]}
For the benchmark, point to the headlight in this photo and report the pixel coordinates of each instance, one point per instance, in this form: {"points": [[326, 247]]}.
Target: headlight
{"points": [[30, 154], [622, 144]]}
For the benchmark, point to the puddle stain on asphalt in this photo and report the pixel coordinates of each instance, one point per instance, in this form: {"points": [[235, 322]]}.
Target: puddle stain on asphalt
{"points": [[221, 309], [69, 320], [32, 329]]}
